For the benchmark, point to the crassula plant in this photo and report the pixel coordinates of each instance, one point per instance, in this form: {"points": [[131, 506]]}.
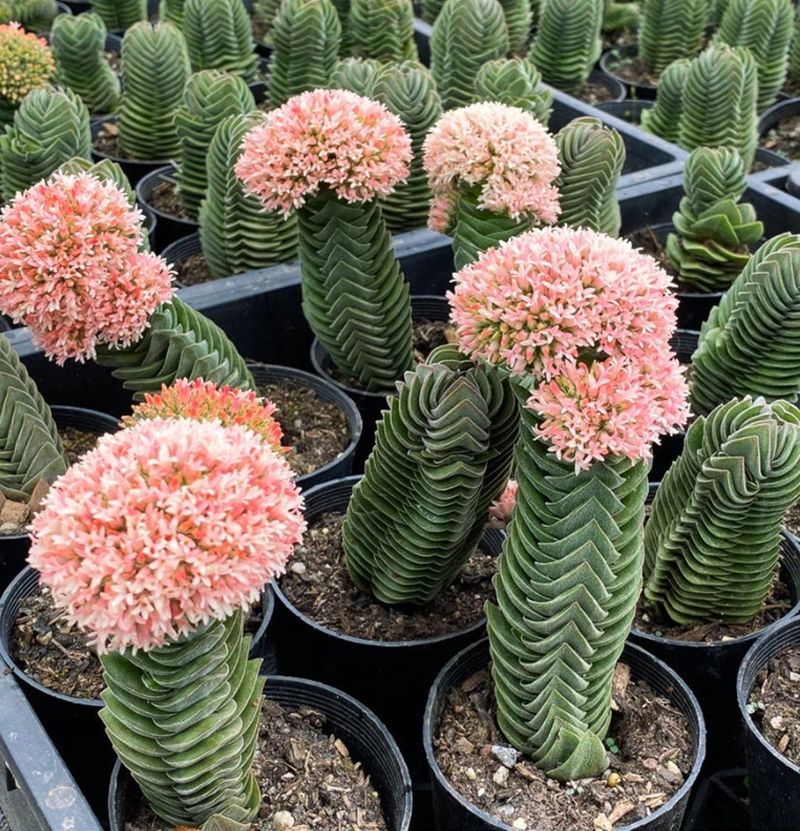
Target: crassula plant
{"points": [[120, 14], [50, 127], [236, 233], [568, 42], [209, 97], [714, 231], [492, 171], [621, 16], [670, 30], [155, 69], [71, 269], [516, 82], [519, 16], [663, 118], [713, 538], [34, 15], [219, 36], [330, 155], [765, 28], [78, 43], [591, 157], [306, 39], [26, 63], [582, 323], [382, 29], [466, 34], [171, 11], [442, 456], [749, 344], [135, 543]]}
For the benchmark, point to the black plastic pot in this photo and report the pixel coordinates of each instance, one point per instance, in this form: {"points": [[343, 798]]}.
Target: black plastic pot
{"points": [[776, 113], [710, 668], [615, 88], [453, 811], [364, 735], [169, 228], [629, 110], [73, 723], [390, 677], [719, 803], [259, 90], [610, 61], [372, 404], [135, 169], [14, 548], [342, 465], [774, 780]]}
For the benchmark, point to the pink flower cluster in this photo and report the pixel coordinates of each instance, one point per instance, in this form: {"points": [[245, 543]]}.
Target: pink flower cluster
{"points": [[70, 268], [586, 319], [165, 526], [500, 153], [324, 139], [204, 401], [502, 509]]}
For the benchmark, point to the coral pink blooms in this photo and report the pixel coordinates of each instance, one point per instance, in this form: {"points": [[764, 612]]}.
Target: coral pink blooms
{"points": [[204, 401], [501, 154], [324, 139], [501, 509], [586, 321], [165, 526], [70, 268]]}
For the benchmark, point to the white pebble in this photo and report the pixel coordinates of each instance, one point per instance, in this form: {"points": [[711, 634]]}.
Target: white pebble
{"points": [[297, 568], [471, 775], [282, 820], [519, 824], [500, 776]]}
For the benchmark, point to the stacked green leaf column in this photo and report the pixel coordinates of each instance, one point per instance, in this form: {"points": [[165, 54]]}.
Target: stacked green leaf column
{"points": [[171, 11], [155, 69], [355, 298], [515, 82], [663, 118], [50, 127], [442, 455], [306, 39], [750, 344], [466, 34], [382, 29], [210, 96], [30, 447], [236, 233], [592, 157], [358, 75], [568, 42], [713, 537], [184, 718], [78, 44], [120, 14], [714, 230], [179, 343], [670, 30], [35, 15], [219, 35], [619, 16], [567, 584]]}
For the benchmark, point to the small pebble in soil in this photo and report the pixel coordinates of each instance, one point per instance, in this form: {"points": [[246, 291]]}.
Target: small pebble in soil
{"points": [[784, 137]]}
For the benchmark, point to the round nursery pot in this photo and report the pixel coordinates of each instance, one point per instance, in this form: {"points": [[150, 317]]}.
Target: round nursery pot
{"points": [[181, 250], [170, 227], [14, 547], [134, 169], [342, 465], [390, 677], [371, 404], [615, 88], [710, 668], [629, 110], [768, 158], [72, 722], [453, 810], [774, 780], [610, 62], [776, 113], [368, 741], [259, 90]]}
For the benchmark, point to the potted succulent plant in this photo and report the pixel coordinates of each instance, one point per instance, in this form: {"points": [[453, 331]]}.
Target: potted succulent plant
{"points": [[219, 36], [119, 15], [516, 82], [19, 49], [594, 396]]}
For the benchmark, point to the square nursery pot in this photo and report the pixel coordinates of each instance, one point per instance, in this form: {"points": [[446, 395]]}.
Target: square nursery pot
{"points": [[782, 183], [652, 204]]}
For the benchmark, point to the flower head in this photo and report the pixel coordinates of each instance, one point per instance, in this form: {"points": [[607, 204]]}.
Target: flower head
{"points": [[501, 154], [26, 63], [586, 320], [324, 138], [70, 267], [501, 509], [163, 527], [204, 401]]}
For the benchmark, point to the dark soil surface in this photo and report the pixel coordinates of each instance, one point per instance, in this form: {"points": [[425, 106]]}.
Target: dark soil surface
{"points": [[315, 429], [634, 71], [305, 772], [777, 605], [648, 241], [107, 141], [166, 198], [593, 93], [318, 584], [792, 87], [784, 137], [775, 702], [792, 519], [193, 270], [77, 442], [651, 754]]}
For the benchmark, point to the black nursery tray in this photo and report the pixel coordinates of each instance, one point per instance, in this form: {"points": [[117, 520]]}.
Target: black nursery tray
{"points": [[774, 182]]}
